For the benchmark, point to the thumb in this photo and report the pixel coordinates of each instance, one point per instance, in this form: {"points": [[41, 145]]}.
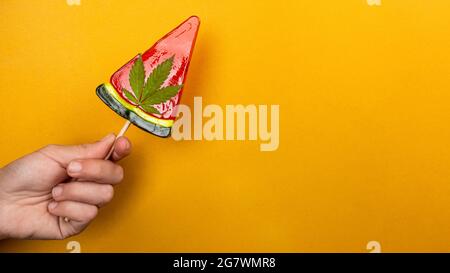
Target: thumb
{"points": [[65, 154]]}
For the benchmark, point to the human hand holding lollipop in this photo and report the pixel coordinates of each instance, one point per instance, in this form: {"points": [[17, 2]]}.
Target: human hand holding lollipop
{"points": [[55, 192]]}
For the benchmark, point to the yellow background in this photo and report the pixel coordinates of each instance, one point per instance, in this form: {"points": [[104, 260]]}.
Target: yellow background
{"points": [[364, 121]]}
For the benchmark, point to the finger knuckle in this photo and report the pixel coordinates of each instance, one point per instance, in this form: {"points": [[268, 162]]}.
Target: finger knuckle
{"points": [[94, 169], [120, 173], [49, 148], [108, 193], [99, 170], [81, 148], [91, 212], [70, 190]]}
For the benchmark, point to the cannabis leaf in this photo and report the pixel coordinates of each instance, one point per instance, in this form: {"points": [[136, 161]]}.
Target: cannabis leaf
{"points": [[147, 93], [137, 77], [162, 94], [157, 77], [130, 96], [150, 109]]}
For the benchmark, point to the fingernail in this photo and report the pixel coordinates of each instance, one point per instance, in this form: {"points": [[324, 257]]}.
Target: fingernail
{"points": [[108, 136], [74, 167], [126, 145], [57, 191], [52, 205]]}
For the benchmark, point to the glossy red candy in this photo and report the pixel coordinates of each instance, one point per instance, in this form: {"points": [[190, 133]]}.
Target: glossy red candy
{"points": [[146, 90], [178, 43]]}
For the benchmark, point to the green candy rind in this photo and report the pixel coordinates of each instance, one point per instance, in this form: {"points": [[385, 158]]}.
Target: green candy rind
{"points": [[145, 125]]}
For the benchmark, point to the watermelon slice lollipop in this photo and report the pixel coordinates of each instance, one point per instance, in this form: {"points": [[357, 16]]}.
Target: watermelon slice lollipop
{"points": [[146, 90]]}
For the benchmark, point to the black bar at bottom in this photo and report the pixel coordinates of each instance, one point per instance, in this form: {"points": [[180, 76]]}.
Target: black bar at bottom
{"points": [[222, 262]]}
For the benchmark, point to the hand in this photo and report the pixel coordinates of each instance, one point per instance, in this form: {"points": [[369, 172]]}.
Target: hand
{"points": [[37, 191]]}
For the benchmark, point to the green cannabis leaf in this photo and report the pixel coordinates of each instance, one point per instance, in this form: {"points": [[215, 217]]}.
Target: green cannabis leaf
{"points": [[137, 77], [162, 95], [147, 93], [130, 95], [157, 77]]}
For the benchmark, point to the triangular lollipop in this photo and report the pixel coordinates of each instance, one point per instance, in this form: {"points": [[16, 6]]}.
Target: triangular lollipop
{"points": [[146, 89]]}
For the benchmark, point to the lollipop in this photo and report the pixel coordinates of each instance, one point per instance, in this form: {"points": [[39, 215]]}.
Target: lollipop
{"points": [[146, 90]]}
